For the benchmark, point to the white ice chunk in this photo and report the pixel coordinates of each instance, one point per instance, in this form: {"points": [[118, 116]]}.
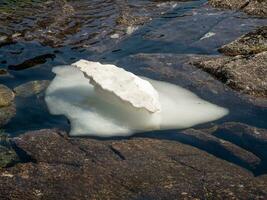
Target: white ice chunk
{"points": [[96, 112], [125, 85]]}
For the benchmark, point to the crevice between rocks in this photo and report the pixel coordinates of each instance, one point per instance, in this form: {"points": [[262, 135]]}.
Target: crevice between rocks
{"points": [[117, 153], [23, 156]]}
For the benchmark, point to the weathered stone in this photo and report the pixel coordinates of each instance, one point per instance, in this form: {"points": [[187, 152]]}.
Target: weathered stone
{"points": [[6, 96], [139, 168], [3, 72], [252, 7], [256, 7], [31, 88], [220, 147], [251, 138], [245, 74], [61, 22], [7, 107], [251, 43], [6, 113]]}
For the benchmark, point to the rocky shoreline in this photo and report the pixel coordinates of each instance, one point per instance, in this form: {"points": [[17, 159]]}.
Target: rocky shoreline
{"points": [[225, 161], [243, 65], [55, 166]]}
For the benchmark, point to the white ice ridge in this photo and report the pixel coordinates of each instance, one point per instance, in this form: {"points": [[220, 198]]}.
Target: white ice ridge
{"points": [[93, 110], [125, 85]]}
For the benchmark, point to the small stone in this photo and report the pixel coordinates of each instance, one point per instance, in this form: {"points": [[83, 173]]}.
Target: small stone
{"points": [[3, 72], [115, 36], [3, 38], [6, 96], [31, 88], [6, 113]]}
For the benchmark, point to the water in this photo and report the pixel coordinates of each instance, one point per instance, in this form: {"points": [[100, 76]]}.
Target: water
{"points": [[40, 35]]}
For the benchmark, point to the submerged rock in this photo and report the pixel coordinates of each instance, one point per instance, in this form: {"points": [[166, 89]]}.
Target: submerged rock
{"points": [[3, 72], [251, 43], [31, 88], [205, 140], [79, 24], [6, 96], [252, 7], [60, 167], [7, 106], [248, 137], [6, 113]]}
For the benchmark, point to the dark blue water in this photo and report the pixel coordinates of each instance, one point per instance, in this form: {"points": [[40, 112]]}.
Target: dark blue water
{"points": [[171, 37]]}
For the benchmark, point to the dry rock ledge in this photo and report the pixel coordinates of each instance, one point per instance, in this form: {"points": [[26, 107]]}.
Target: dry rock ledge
{"points": [[59, 167]]}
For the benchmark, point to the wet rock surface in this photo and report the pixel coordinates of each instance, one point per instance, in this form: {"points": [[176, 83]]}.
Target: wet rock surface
{"points": [[243, 68], [81, 24], [7, 106], [83, 168], [251, 43], [243, 135], [253, 7], [31, 88], [6, 113], [8, 155], [6, 96], [157, 39], [246, 74]]}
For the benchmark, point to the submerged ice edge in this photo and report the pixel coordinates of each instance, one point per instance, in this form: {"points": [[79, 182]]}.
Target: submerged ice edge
{"points": [[97, 113]]}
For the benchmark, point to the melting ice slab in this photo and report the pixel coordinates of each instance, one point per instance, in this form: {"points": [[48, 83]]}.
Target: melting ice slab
{"points": [[125, 85], [96, 106]]}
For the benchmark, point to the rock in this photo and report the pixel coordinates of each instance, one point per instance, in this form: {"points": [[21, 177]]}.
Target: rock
{"points": [[32, 62], [250, 43], [252, 7], [6, 96], [7, 107], [219, 147], [251, 138], [62, 27], [31, 88], [139, 168], [257, 7], [121, 83], [3, 72], [7, 155], [6, 113], [246, 74]]}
